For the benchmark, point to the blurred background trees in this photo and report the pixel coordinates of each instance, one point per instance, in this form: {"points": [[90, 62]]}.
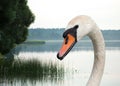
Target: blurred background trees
{"points": [[15, 18]]}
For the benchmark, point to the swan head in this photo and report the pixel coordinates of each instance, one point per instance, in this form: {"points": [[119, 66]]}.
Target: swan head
{"points": [[76, 29]]}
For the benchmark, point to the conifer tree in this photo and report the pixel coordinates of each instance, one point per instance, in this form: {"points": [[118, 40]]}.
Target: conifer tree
{"points": [[15, 18]]}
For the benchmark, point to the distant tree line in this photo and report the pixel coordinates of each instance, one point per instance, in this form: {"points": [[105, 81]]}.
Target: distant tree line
{"points": [[15, 18], [56, 34]]}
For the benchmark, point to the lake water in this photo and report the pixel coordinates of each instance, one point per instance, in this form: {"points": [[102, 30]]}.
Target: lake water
{"points": [[77, 64]]}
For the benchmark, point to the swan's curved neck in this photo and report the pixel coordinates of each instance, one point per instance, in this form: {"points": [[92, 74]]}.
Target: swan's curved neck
{"points": [[99, 57]]}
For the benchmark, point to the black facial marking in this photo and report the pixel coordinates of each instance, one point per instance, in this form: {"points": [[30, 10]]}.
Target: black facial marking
{"points": [[72, 31], [76, 26], [66, 32]]}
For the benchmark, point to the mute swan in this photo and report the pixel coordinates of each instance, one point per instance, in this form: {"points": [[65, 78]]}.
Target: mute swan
{"points": [[77, 28]]}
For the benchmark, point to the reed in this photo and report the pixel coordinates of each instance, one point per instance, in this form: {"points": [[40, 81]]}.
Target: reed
{"points": [[30, 69]]}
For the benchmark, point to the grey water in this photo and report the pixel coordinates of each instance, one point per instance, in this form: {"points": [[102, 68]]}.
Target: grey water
{"points": [[77, 64]]}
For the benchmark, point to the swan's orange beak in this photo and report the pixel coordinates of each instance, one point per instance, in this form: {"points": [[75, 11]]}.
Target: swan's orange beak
{"points": [[67, 45]]}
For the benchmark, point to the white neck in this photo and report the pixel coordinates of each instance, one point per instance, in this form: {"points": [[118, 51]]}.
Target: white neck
{"points": [[99, 57]]}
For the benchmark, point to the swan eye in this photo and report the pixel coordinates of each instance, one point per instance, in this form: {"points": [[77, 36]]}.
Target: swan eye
{"points": [[66, 33]]}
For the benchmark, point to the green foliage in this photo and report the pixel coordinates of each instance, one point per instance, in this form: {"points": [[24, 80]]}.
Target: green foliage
{"points": [[32, 69], [15, 18]]}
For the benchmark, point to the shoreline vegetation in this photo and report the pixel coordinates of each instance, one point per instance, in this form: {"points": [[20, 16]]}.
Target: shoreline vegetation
{"points": [[34, 42], [30, 69]]}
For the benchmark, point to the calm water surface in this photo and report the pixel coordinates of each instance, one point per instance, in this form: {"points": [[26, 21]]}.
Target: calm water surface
{"points": [[77, 64]]}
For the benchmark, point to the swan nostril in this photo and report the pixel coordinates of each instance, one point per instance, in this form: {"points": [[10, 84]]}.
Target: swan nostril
{"points": [[66, 40]]}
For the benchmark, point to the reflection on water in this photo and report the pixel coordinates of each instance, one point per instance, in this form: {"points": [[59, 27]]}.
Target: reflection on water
{"points": [[74, 70]]}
